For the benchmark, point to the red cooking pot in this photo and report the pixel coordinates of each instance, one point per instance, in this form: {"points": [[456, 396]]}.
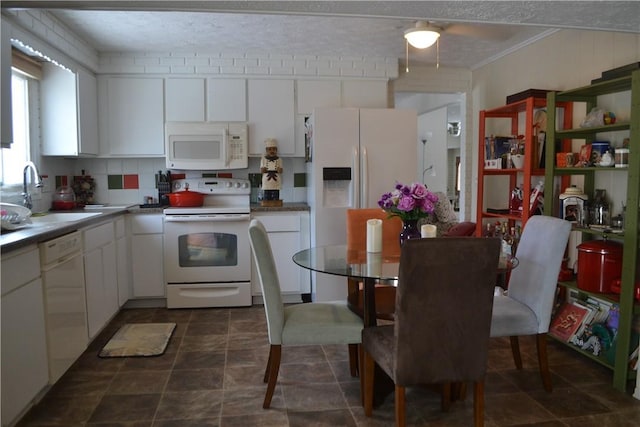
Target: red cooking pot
{"points": [[186, 199]]}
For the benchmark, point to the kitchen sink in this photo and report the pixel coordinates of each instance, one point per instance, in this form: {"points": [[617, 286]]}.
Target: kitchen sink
{"points": [[62, 217]]}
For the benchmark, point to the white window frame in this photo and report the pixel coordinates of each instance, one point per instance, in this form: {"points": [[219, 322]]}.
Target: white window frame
{"points": [[13, 159]]}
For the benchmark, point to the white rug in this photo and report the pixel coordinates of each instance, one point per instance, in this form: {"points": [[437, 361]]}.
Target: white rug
{"points": [[139, 340]]}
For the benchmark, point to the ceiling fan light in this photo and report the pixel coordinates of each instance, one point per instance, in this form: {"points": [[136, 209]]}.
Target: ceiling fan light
{"points": [[421, 38]]}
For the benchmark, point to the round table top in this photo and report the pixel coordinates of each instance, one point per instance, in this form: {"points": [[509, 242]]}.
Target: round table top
{"points": [[360, 264]]}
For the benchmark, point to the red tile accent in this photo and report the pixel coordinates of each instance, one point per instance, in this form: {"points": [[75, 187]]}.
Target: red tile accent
{"points": [[64, 180], [178, 176], [130, 182], [225, 175]]}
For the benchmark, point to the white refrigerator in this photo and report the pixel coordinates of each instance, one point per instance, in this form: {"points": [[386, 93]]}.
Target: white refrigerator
{"points": [[356, 156]]}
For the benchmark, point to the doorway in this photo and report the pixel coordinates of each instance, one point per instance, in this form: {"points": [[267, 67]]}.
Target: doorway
{"points": [[441, 129]]}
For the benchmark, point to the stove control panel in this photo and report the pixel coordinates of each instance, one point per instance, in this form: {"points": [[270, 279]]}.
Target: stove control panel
{"points": [[213, 185]]}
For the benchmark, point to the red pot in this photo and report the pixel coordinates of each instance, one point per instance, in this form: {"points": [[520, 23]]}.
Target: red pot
{"points": [[62, 205], [186, 199]]}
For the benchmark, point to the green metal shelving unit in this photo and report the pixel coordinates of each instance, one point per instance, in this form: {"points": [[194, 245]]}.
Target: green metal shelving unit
{"points": [[589, 95]]}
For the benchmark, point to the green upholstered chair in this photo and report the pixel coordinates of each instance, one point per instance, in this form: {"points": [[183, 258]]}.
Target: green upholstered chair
{"points": [[298, 324], [526, 308], [442, 320]]}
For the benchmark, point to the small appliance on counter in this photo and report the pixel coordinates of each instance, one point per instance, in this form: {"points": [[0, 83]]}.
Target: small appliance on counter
{"points": [[64, 199]]}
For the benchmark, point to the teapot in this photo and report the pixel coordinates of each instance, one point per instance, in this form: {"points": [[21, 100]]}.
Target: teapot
{"points": [[607, 159], [64, 198]]}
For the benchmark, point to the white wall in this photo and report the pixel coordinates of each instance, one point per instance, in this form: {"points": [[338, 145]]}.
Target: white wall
{"points": [[432, 127], [566, 59], [437, 84]]}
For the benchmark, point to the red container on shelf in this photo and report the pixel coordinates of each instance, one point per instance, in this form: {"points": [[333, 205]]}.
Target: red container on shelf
{"points": [[599, 265]]}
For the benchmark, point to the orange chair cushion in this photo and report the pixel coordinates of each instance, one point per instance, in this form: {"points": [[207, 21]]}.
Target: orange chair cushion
{"points": [[357, 238], [357, 229]]}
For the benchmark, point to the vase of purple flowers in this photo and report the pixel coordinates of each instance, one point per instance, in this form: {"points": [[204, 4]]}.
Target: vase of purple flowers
{"points": [[409, 203]]}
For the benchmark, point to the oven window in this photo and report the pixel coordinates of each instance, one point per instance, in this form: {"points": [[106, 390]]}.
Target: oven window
{"points": [[208, 250]]}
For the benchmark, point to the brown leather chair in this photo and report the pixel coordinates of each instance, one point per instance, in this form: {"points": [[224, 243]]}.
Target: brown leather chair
{"points": [[440, 334], [385, 295]]}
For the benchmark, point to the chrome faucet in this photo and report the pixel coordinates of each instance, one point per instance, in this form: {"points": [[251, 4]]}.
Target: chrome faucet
{"points": [[26, 196]]}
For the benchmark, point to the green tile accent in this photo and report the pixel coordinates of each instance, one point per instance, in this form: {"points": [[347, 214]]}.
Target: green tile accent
{"points": [[209, 175], [255, 179], [299, 179], [114, 182]]}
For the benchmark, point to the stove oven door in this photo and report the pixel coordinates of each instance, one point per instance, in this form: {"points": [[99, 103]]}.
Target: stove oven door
{"points": [[207, 260]]}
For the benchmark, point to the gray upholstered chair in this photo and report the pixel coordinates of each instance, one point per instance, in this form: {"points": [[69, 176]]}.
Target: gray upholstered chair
{"points": [[298, 324], [526, 308], [442, 320]]}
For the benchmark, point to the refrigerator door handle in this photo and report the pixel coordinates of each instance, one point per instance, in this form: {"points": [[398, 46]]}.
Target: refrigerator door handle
{"points": [[355, 166], [364, 178]]}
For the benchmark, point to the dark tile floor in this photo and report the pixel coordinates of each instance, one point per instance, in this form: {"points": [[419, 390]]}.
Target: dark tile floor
{"points": [[211, 375]]}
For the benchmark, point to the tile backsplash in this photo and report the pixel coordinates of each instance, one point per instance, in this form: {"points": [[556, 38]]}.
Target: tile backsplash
{"points": [[129, 181]]}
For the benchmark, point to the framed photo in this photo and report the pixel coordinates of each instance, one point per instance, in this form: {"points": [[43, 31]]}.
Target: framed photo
{"points": [[584, 158], [497, 146]]}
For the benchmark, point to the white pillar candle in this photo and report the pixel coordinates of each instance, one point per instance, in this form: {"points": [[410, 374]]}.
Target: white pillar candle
{"points": [[374, 264], [374, 235], [428, 230]]}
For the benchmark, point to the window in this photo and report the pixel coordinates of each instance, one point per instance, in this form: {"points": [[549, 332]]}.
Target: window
{"points": [[14, 158]]}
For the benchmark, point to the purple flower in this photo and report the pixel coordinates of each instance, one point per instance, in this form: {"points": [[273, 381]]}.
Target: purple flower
{"points": [[409, 202]]}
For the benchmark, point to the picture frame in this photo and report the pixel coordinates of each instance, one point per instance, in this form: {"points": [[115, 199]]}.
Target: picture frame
{"points": [[584, 157], [497, 146]]}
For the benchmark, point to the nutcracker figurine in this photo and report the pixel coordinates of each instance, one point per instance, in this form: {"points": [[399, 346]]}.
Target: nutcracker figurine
{"points": [[271, 168]]}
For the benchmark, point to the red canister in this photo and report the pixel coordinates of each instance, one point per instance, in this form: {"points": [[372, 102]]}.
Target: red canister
{"points": [[599, 264]]}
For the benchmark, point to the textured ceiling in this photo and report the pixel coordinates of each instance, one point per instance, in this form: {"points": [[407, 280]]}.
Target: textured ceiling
{"points": [[474, 31]]}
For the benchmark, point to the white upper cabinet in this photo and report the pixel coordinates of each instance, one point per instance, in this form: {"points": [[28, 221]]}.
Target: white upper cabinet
{"points": [[87, 113], [131, 116], [69, 112], [317, 93], [226, 100], [184, 100], [365, 93], [271, 115]]}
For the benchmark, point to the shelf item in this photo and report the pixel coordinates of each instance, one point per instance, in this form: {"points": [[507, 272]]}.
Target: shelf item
{"points": [[599, 265], [529, 93], [568, 320], [525, 118], [626, 337]]}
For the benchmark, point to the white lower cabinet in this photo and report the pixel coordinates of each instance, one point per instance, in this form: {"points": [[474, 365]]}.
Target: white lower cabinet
{"points": [[147, 255], [122, 261], [100, 275], [288, 233], [25, 370]]}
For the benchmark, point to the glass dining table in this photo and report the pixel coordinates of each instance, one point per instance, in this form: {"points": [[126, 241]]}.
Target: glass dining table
{"points": [[369, 267]]}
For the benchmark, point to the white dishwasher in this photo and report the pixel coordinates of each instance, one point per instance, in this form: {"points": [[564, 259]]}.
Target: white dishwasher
{"points": [[64, 301]]}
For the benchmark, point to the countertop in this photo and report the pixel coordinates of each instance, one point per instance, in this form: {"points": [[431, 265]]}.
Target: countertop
{"points": [[11, 240], [286, 207]]}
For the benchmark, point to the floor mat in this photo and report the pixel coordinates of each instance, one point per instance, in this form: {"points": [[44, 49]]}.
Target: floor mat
{"points": [[139, 340]]}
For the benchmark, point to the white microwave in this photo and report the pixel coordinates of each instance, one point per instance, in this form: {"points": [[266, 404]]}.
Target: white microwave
{"points": [[206, 145]]}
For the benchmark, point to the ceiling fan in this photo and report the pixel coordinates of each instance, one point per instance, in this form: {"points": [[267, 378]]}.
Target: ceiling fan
{"points": [[424, 34]]}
